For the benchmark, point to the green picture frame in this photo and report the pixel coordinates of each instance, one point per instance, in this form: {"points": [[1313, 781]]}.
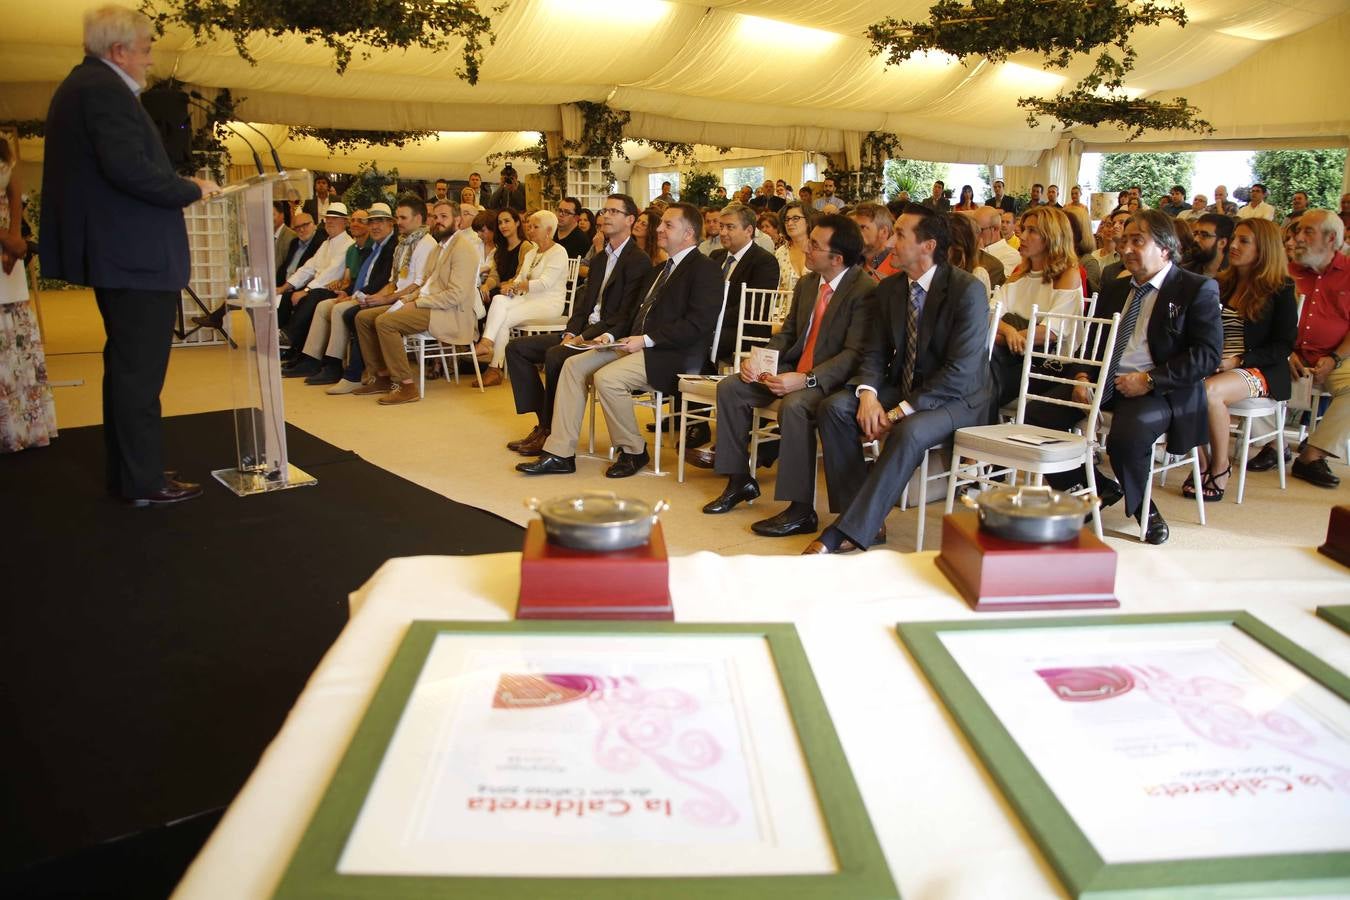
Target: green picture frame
{"points": [[862, 869], [1336, 615], [1063, 843]]}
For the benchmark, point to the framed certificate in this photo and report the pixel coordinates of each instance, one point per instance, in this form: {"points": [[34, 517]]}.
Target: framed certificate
{"points": [[1189, 755], [1336, 615], [592, 760]]}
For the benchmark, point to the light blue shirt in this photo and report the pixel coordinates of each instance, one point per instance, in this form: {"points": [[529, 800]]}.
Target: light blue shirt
{"points": [[121, 73], [1136, 357], [611, 260]]}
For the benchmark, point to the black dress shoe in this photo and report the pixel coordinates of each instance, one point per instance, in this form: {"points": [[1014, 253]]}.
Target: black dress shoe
{"points": [[548, 464], [1157, 531], [172, 492], [701, 457], [1109, 492], [325, 375], [667, 425], [787, 523], [697, 435], [304, 367], [628, 464], [745, 491], [1265, 459], [1316, 472]]}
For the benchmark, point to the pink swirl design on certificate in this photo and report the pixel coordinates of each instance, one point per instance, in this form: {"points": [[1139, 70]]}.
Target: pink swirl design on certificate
{"points": [[1213, 710], [1087, 684]]}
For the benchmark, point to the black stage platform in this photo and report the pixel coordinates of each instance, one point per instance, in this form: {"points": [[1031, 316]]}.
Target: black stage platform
{"points": [[147, 656]]}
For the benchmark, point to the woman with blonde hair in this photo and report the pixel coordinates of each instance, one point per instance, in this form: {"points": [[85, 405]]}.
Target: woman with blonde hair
{"points": [[536, 292], [1259, 329], [1048, 278]]}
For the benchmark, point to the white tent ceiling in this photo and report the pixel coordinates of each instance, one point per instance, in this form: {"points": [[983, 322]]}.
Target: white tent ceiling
{"points": [[764, 74]]}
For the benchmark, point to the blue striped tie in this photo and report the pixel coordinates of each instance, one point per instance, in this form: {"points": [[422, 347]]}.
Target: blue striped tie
{"points": [[1127, 325]]}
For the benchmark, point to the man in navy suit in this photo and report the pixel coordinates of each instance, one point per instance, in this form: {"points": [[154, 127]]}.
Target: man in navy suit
{"points": [[105, 164], [1170, 338]]}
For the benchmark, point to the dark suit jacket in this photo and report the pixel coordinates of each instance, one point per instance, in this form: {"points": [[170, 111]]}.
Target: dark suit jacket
{"points": [[758, 268], [1184, 339], [1007, 204], [502, 198], [284, 241], [994, 266], [1270, 339], [952, 358], [314, 244], [381, 269], [621, 294], [680, 319], [112, 205], [843, 333]]}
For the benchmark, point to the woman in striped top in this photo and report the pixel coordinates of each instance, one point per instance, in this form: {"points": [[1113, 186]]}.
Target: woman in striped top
{"points": [[1259, 328]]}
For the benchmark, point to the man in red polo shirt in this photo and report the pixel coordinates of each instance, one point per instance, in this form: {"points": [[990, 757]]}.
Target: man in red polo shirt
{"points": [[1323, 278]]}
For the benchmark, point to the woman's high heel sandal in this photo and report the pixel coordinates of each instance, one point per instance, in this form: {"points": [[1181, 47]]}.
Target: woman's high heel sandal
{"points": [[1212, 492]]}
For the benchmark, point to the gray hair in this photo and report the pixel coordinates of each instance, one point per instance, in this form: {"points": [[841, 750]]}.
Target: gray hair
{"points": [[112, 24], [1159, 226], [745, 215], [1329, 223], [547, 220]]}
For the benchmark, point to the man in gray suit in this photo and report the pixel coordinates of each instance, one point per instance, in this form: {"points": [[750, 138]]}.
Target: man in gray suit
{"points": [[924, 375], [820, 347]]}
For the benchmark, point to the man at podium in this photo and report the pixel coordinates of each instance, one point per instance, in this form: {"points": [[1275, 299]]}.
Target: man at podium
{"points": [[106, 176]]}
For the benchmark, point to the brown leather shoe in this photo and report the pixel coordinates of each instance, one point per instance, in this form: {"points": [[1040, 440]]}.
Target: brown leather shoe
{"points": [[700, 457], [535, 446], [172, 492], [520, 442], [382, 384], [816, 548], [402, 393], [491, 376]]}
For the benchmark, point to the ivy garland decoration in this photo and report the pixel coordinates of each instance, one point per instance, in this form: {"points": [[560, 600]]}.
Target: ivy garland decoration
{"points": [[867, 182], [1059, 30], [208, 139], [346, 140], [370, 186], [552, 171], [435, 25]]}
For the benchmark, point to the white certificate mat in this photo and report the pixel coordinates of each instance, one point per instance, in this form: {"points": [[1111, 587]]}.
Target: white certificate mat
{"points": [[1170, 741], [559, 755]]}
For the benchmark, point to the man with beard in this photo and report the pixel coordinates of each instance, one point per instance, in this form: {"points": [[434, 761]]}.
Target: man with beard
{"points": [[1212, 233]]}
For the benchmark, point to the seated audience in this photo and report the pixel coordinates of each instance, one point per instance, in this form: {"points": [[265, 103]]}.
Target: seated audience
{"points": [[665, 196], [536, 292], [819, 347], [321, 274], [875, 223], [986, 222], [1299, 205], [1176, 201], [604, 307], [1196, 210], [937, 201], [742, 262], [1345, 211], [311, 361], [1321, 273], [966, 202], [509, 248], [1259, 327], [586, 222], [670, 333], [1222, 205], [1005, 248], [1257, 207], [1169, 340], [827, 197], [1212, 233], [1048, 279], [282, 234], [574, 240], [644, 232], [1000, 200], [964, 252], [1037, 190], [306, 244], [910, 394], [798, 219], [712, 227], [372, 282], [768, 224]]}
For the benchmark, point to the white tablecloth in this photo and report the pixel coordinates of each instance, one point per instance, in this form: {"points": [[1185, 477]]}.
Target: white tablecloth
{"points": [[944, 826]]}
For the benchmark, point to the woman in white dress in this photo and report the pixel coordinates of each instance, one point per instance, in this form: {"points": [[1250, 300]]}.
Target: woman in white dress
{"points": [[537, 291], [1048, 279], [791, 254], [27, 412]]}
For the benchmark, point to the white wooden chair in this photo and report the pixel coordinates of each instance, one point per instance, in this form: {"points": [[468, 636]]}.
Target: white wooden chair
{"points": [[1017, 447], [426, 347], [1246, 412], [555, 323], [698, 393]]}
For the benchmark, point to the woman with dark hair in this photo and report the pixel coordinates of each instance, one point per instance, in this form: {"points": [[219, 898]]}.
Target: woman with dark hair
{"points": [[27, 411], [485, 226], [768, 223], [964, 252], [644, 235], [586, 221], [791, 254], [1259, 329], [967, 201], [511, 247]]}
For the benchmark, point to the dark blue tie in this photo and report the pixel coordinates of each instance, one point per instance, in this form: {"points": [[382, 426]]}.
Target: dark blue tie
{"points": [[1127, 325]]}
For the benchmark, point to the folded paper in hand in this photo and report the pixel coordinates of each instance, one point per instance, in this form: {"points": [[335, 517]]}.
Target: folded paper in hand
{"points": [[763, 361]]}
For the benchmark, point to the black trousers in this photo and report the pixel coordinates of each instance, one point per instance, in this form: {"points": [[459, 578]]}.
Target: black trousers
{"points": [[302, 316], [523, 357], [841, 442], [139, 326], [1136, 422], [872, 500], [797, 441]]}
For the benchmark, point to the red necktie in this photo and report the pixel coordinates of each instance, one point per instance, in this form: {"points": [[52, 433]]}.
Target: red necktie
{"points": [[808, 359]]}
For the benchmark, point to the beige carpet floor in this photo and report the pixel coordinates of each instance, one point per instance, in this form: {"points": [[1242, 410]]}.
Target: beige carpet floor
{"points": [[453, 443]]}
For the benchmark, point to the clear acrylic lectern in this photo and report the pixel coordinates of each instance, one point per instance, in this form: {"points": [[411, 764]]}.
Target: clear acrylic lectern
{"points": [[255, 363]]}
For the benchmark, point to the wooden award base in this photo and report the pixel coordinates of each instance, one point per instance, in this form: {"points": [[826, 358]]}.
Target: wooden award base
{"points": [[561, 583], [1338, 536], [992, 573]]}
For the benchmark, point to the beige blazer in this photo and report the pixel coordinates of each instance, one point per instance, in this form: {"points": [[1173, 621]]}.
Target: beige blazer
{"points": [[451, 290]]}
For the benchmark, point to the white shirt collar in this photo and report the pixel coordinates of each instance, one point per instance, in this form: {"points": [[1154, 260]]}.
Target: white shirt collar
{"points": [[1156, 281], [740, 253], [834, 282], [925, 280], [679, 257], [121, 73], [609, 248]]}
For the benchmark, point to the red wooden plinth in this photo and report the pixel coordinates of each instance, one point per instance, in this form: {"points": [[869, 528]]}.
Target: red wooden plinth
{"points": [[1338, 536], [992, 573], [558, 582]]}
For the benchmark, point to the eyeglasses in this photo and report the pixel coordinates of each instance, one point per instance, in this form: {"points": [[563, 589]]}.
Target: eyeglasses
{"points": [[565, 212], [612, 210], [304, 224], [794, 219], [1207, 235]]}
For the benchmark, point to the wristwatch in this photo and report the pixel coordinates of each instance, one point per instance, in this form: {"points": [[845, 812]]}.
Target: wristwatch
{"points": [[1148, 379], [811, 379], [1337, 357]]}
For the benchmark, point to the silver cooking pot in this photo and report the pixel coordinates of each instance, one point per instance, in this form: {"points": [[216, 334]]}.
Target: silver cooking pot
{"points": [[598, 520], [1038, 515]]}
